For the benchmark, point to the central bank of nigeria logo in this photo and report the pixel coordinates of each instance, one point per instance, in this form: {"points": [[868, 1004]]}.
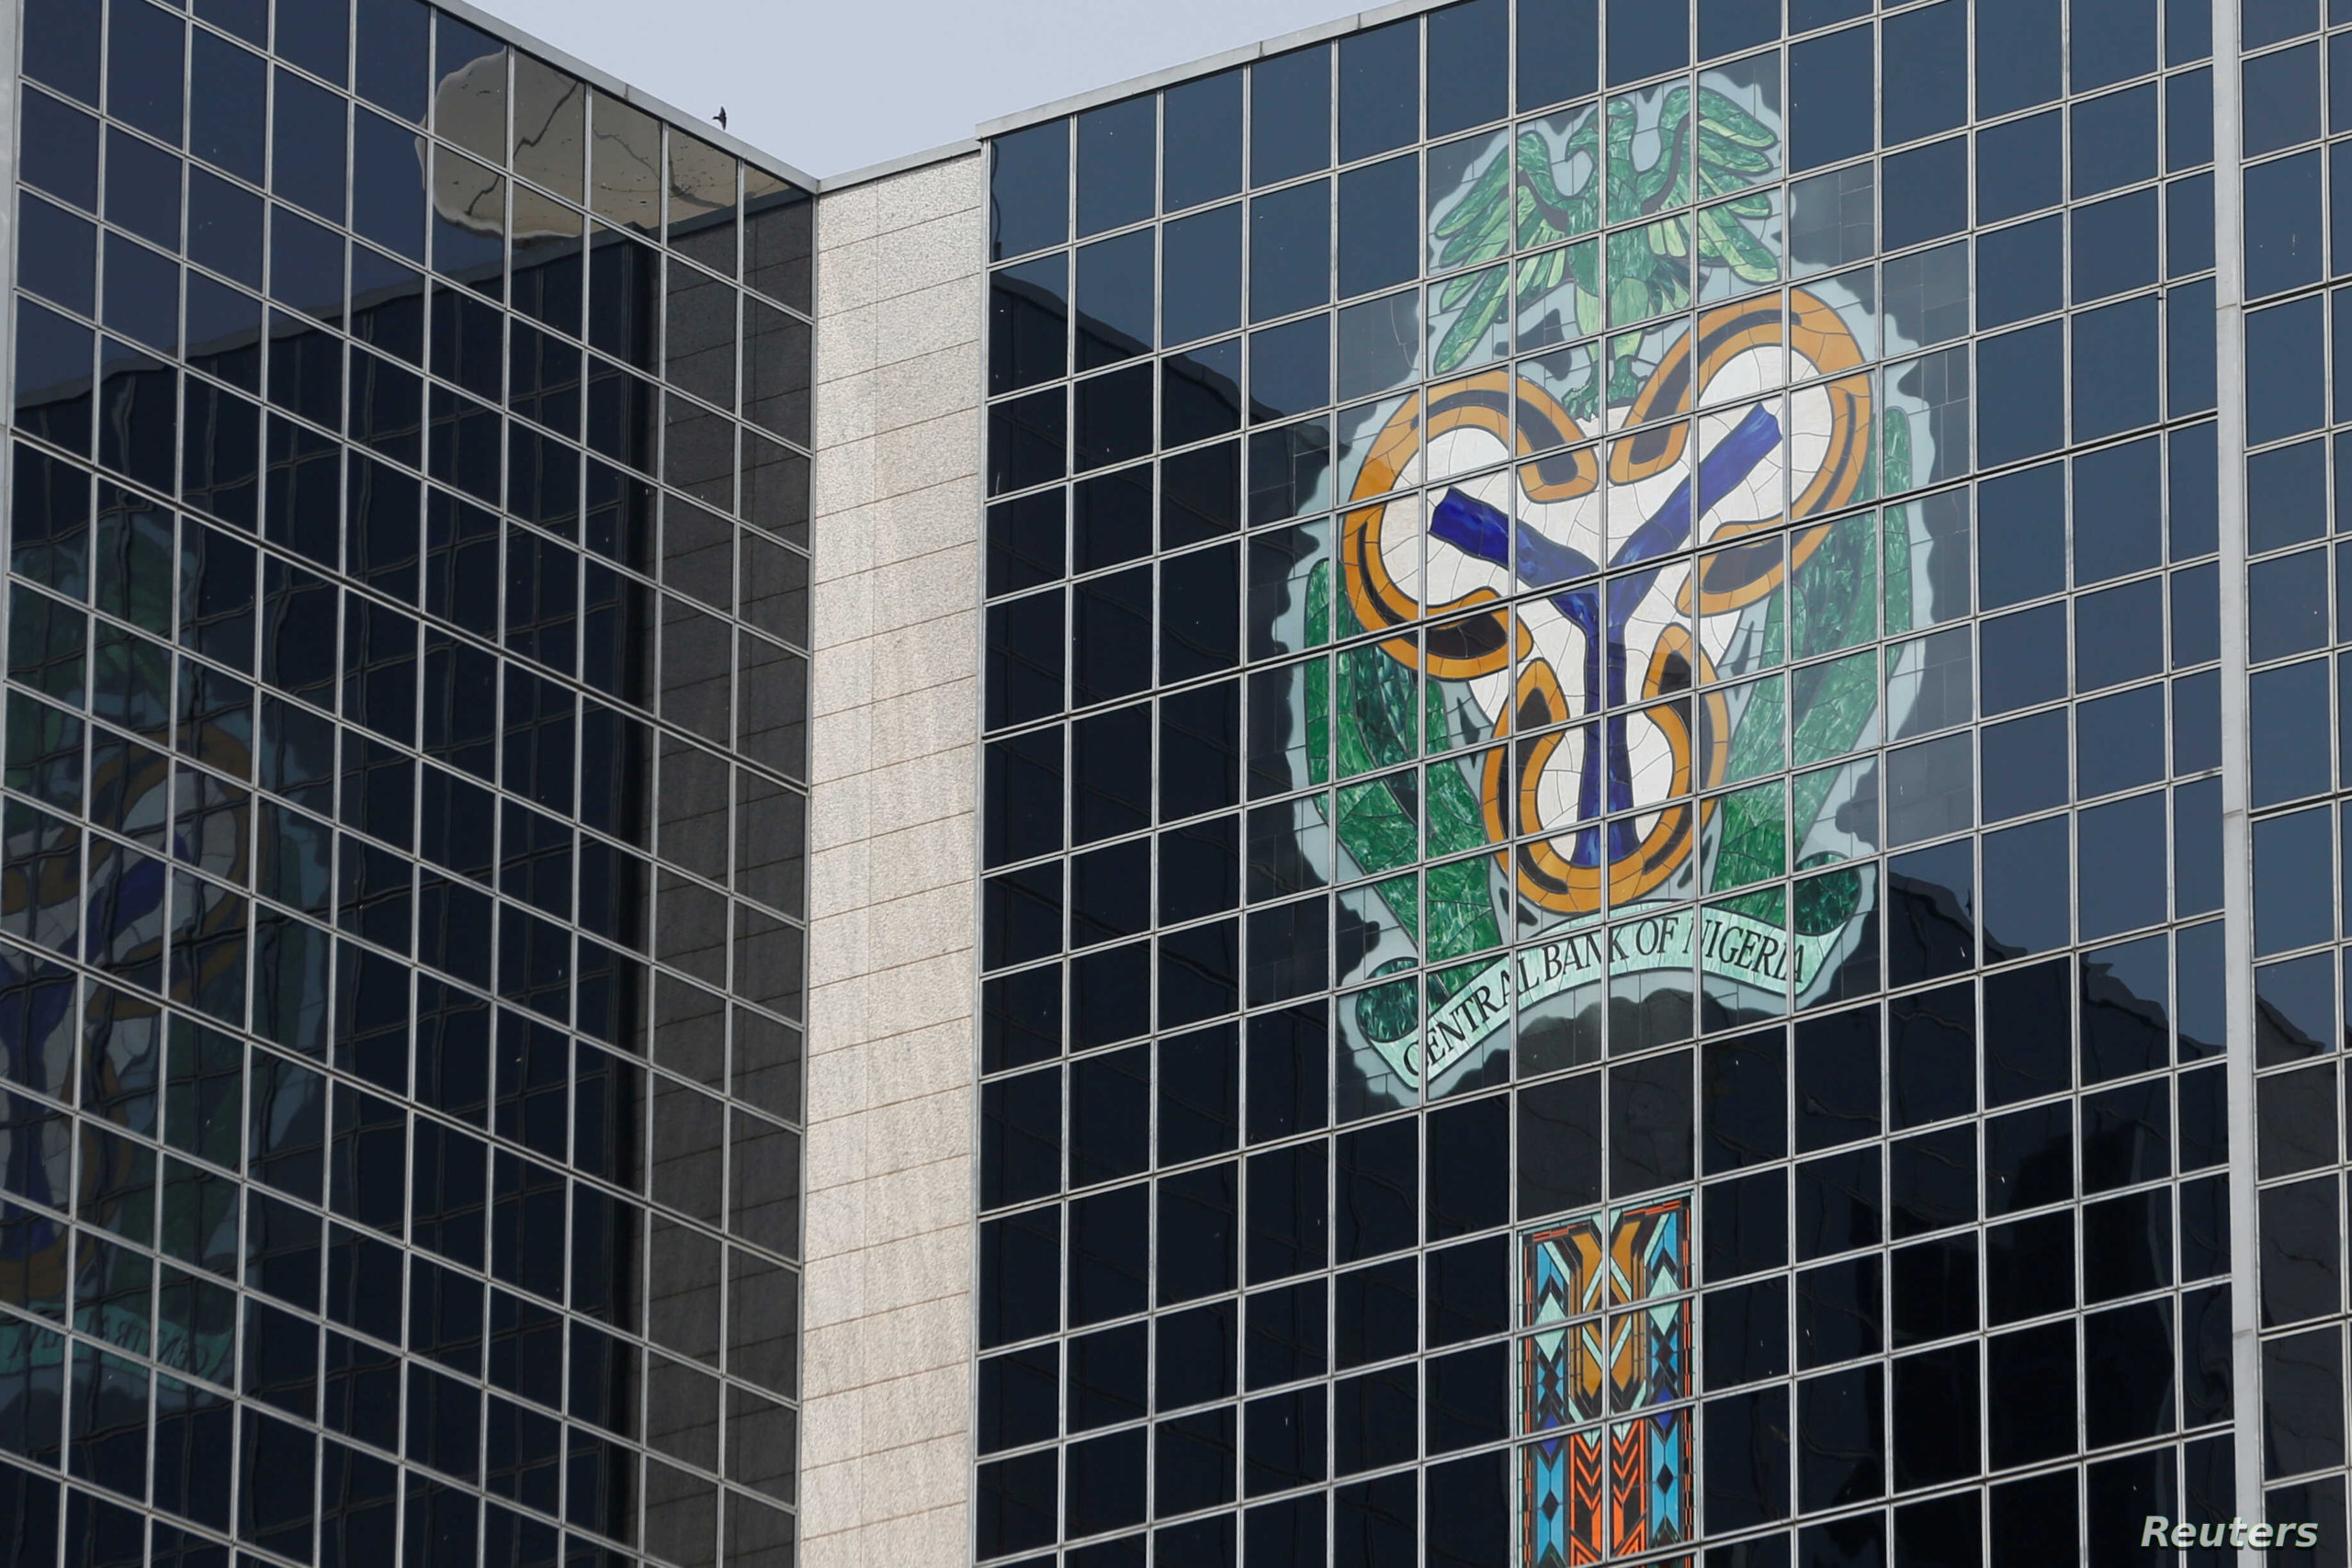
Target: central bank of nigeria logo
{"points": [[1628, 616]]}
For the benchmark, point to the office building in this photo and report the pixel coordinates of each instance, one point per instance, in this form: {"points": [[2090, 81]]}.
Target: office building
{"points": [[404, 957]]}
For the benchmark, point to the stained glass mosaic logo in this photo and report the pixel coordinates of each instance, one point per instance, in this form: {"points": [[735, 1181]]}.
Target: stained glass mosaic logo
{"points": [[1569, 565]]}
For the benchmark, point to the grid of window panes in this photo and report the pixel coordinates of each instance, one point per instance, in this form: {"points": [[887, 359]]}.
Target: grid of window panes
{"points": [[1472, 594], [402, 959], [2297, 89]]}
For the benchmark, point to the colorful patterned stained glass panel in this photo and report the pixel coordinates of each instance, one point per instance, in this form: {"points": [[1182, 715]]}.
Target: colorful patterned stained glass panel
{"points": [[1650, 1482], [1649, 1250], [1563, 1483], [1564, 1270], [1600, 1493], [1562, 1382], [1649, 1357]]}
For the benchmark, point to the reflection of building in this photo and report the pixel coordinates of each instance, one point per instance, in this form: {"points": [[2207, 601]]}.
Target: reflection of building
{"points": [[1538, 821]]}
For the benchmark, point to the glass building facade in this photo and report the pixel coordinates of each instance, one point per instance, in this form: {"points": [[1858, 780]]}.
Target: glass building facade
{"points": [[1659, 780], [1603, 807], [401, 966]]}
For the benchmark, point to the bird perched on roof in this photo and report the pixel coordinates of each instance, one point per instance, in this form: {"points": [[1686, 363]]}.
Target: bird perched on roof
{"points": [[721, 116]]}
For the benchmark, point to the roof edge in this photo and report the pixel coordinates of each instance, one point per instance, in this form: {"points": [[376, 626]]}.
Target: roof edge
{"points": [[947, 151], [605, 82], [1208, 65]]}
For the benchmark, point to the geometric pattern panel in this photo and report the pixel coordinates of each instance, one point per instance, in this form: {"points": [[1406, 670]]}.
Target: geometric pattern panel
{"points": [[1608, 1492], [1565, 1268], [1649, 1250], [1649, 1357]]}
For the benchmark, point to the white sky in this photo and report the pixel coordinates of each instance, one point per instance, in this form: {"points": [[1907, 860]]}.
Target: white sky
{"points": [[831, 86]]}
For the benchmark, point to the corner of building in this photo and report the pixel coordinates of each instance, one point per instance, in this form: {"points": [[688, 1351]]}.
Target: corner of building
{"points": [[888, 1445]]}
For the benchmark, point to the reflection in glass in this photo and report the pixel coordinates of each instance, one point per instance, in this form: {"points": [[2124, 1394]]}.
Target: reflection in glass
{"points": [[1468, 220], [1469, 320], [550, 127], [625, 167], [701, 199]]}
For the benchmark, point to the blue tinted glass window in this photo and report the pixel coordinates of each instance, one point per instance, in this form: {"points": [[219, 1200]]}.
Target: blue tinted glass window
{"points": [[1290, 115], [1805, 16], [1028, 323], [2119, 634], [2287, 605], [2118, 508], [1831, 89], [2020, 166], [2019, 54], [1029, 190], [1115, 303], [224, 228], [2115, 379], [2021, 521], [2025, 765], [1380, 90], [2273, 21], [57, 254], [2192, 491], [387, 186], [2122, 740], [2188, 31], [1926, 194], [225, 112], [2189, 226], [2026, 894], [1646, 38], [1290, 250], [1201, 156], [1201, 291], [2114, 139], [2289, 752], [2024, 658], [305, 265], [2282, 224], [1379, 226], [1726, 27], [146, 55], [2020, 380], [60, 152], [2110, 40], [2289, 340], [2115, 245], [2281, 99], [1290, 369], [1469, 54], [2294, 862], [143, 189], [1559, 51], [142, 294], [393, 72], [317, 38], [61, 45], [53, 376], [1117, 148], [1925, 52], [2121, 885], [2196, 617], [2189, 121], [2286, 494], [308, 147]]}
